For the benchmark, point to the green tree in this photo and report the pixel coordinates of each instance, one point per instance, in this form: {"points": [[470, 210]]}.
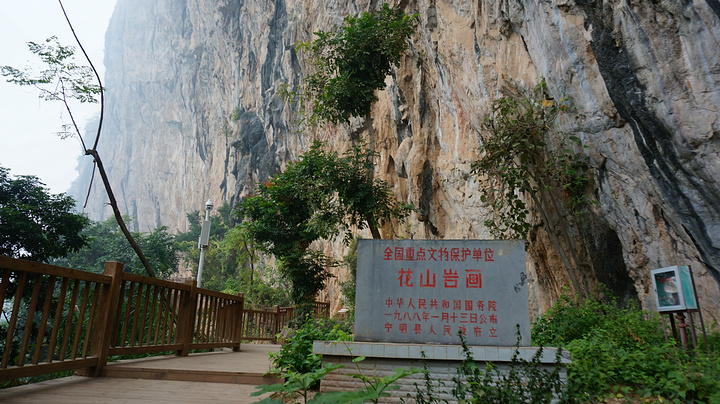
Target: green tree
{"points": [[352, 61], [108, 243], [35, 224], [231, 261], [312, 199]]}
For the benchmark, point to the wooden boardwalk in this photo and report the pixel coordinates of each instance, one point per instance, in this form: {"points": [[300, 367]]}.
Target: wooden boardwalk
{"points": [[216, 377]]}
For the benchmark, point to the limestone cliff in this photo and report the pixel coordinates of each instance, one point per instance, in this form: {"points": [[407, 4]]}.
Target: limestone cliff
{"points": [[644, 74]]}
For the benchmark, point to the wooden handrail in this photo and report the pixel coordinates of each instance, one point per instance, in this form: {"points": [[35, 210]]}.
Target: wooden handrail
{"points": [[77, 320], [14, 264]]}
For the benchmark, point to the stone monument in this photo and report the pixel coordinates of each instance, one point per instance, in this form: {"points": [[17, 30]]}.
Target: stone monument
{"points": [[426, 291], [414, 297]]}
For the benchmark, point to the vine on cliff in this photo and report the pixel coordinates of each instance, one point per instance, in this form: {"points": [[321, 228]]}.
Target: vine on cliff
{"points": [[525, 155]]}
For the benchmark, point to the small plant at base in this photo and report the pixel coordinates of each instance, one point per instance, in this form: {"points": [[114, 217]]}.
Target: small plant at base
{"points": [[524, 382], [427, 395], [296, 353], [299, 386], [376, 386]]}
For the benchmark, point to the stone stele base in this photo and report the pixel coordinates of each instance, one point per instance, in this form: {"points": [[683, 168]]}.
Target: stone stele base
{"points": [[442, 361]]}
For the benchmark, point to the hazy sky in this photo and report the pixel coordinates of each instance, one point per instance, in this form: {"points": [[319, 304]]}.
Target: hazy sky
{"points": [[29, 144]]}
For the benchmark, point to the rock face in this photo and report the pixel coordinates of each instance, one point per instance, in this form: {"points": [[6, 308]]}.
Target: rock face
{"points": [[193, 113]]}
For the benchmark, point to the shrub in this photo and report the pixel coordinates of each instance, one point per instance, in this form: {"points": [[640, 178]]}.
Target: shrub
{"points": [[623, 352], [236, 114], [352, 61], [296, 353]]}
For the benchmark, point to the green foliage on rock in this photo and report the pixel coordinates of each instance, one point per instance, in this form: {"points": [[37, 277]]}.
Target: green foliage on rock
{"points": [[530, 167], [523, 154], [236, 114], [303, 370], [316, 198], [352, 61], [35, 224]]}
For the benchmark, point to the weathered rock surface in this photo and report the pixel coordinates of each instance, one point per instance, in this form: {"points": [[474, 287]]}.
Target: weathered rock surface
{"points": [[644, 74]]}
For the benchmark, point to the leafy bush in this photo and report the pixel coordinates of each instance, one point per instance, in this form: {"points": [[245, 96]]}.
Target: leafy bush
{"points": [[37, 225], [623, 352], [296, 353], [236, 114], [569, 320], [108, 243]]}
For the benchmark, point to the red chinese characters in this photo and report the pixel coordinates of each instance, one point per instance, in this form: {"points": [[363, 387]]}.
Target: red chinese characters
{"points": [[422, 316], [473, 278], [450, 278], [443, 254], [428, 282], [440, 290], [405, 277]]}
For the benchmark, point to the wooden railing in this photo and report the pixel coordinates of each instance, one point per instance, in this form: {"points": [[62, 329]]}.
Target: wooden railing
{"points": [[266, 324], [62, 319], [53, 325]]}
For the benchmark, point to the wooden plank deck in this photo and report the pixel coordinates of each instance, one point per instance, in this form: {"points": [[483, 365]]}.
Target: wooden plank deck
{"points": [[217, 377]]}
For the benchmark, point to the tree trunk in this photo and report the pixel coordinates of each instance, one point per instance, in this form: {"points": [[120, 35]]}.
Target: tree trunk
{"points": [[373, 230], [118, 216], [368, 126]]}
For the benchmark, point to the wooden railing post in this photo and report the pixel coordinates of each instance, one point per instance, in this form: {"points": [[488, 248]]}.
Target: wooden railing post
{"points": [[107, 305], [239, 320], [276, 324], [186, 318]]}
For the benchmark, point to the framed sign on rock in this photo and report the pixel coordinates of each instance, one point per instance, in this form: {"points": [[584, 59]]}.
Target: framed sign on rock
{"points": [[427, 291]]}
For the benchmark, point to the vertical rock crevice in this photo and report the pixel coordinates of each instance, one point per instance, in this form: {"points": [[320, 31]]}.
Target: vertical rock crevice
{"points": [[692, 201]]}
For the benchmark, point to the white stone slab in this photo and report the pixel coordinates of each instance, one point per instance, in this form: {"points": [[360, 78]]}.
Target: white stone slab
{"points": [[432, 352]]}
